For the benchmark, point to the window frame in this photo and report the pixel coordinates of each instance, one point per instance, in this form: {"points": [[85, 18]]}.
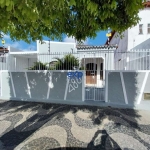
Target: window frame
{"points": [[140, 28], [148, 28]]}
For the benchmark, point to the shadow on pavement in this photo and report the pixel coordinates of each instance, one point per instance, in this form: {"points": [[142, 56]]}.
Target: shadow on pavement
{"points": [[41, 113]]}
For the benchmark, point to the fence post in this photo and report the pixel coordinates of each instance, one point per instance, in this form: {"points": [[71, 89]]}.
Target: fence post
{"points": [[106, 86], [15, 63]]}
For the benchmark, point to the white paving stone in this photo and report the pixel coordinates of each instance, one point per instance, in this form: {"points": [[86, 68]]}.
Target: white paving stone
{"points": [[4, 125], [55, 132], [127, 142]]}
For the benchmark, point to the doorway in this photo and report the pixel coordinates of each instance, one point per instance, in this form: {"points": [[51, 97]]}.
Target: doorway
{"points": [[91, 73]]}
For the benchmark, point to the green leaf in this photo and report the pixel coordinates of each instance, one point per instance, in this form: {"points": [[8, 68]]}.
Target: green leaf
{"points": [[72, 2], [32, 19], [2, 1], [7, 2]]}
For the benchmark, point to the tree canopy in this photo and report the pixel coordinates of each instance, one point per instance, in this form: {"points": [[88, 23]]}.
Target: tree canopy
{"points": [[30, 20]]}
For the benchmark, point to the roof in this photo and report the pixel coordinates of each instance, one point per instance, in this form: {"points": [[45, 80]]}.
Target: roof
{"points": [[147, 3], [89, 47], [2, 50], [110, 38]]}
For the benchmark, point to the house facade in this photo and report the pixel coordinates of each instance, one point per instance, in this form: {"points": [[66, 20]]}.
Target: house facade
{"points": [[94, 59], [136, 38]]}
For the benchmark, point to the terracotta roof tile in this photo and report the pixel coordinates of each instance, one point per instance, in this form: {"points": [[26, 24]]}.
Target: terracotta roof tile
{"points": [[2, 49]]}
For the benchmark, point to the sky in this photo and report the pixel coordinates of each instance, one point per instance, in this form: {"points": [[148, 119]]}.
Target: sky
{"points": [[100, 39]]}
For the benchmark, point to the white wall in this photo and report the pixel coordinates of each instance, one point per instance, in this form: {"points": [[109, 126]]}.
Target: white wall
{"points": [[3, 62], [11, 62], [134, 38], [55, 47], [19, 63], [31, 61], [12, 49], [23, 63], [121, 42]]}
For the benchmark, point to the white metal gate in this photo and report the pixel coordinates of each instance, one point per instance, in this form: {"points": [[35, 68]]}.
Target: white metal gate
{"points": [[94, 93], [94, 79]]}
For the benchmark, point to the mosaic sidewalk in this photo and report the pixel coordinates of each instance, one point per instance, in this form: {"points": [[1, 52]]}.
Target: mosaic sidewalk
{"points": [[39, 126]]}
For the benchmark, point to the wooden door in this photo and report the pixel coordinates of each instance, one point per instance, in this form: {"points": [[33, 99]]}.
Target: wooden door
{"points": [[91, 73], [91, 77]]}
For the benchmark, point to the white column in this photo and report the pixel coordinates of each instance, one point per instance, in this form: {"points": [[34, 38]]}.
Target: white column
{"points": [[15, 63], [98, 72]]}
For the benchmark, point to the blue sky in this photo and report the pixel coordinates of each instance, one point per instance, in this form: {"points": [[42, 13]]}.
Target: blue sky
{"points": [[99, 40]]}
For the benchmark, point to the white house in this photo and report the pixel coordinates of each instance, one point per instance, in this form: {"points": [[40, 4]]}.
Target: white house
{"points": [[95, 59], [137, 36], [134, 38]]}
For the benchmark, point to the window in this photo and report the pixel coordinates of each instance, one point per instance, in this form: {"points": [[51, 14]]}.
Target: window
{"points": [[146, 96], [140, 28], [148, 28]]}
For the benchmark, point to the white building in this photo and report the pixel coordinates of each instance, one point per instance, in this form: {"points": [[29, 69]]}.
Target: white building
{"points": [[95, 59], [92, 58], [137, 36], [134, 38]]}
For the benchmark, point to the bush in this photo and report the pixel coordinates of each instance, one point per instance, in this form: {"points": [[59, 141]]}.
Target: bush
{"points": [[68, 62], [39, 66]]}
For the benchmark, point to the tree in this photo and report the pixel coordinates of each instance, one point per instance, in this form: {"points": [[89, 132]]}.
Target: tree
{"points": [[30, 20], [68, 62]]}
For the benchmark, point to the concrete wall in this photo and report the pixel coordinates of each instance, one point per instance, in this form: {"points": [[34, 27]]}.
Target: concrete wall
{"points": [[55, 47], [122, 88], [12, 49], [127, 88], [41, 86]]}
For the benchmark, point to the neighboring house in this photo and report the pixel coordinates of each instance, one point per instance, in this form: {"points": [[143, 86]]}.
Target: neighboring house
{"points": [[134, 38], [94, 59], [91, 58], [137, 36]]}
